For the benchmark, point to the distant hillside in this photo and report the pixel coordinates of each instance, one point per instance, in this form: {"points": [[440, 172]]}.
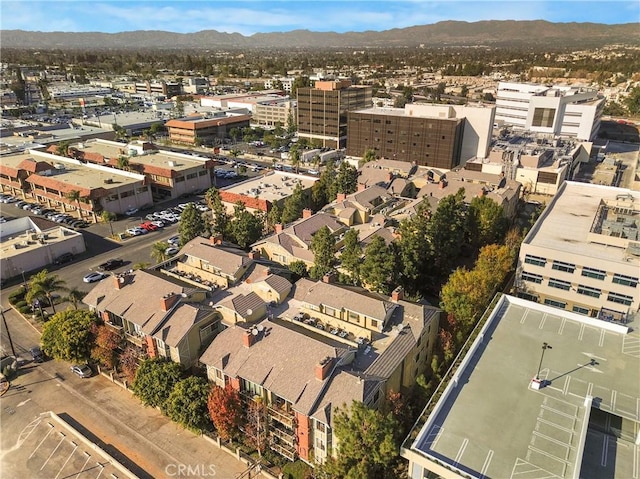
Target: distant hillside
{"points": [[536, 33]]}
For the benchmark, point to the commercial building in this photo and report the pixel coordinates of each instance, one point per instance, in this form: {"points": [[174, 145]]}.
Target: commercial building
{"points": [[204, 130], [271, 113], [583, 253], [61, 91], [557, 110], [440, 136], [322, 111], [159, 88], [541, 392], [29, 243]]}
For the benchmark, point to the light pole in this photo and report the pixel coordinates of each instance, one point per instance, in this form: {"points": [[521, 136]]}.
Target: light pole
{"points": [[545, 346], [13, 351]]}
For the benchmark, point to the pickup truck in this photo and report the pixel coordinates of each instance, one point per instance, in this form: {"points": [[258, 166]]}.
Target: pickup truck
{"points": [[111, 264]]}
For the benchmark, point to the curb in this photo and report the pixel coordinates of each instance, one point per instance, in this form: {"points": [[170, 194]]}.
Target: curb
{"points": [[4, 385]]}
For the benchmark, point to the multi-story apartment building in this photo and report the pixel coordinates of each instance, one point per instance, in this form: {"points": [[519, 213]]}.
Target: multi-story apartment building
{"points": [[286, 83], [322, 110], [195, 130], [557, 110], [440, 136], [583, 253]]}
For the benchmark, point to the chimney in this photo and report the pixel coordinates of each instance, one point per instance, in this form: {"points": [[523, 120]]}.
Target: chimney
{"points": [[118, 281], [443, 184], [362, 187], [247, 338], [255, 254], [168, 301], [152, 350], [397, 294], [216, 239], [323, 368], [341, 197], [390, 177], [306, 213], [482, 192], [329, 278], [278, 228]]}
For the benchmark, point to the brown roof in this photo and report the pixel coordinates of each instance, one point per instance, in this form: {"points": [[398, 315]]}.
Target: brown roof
{"points": [[33, 166], [48, 182], [180, 321], [343, 388], [199, 123], [228, 262], [306, 228], [281, 360], [243, 303], [278, 283]]}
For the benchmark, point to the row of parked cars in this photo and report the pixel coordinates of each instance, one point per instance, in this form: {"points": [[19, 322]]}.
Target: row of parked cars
{"points": [[42, 210]]}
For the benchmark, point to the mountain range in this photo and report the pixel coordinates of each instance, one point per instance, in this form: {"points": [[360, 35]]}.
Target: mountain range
{"points": [[536, 33]]}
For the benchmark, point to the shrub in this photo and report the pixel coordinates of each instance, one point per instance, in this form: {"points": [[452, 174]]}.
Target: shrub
{"points": [[25, 309], [20, 304], [17, 295]]}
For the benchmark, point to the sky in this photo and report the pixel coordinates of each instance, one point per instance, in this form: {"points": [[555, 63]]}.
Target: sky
{"points": [[249, 17]]}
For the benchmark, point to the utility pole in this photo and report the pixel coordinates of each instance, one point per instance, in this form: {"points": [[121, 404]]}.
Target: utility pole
{"points": [[545, 346], [13, 351]]}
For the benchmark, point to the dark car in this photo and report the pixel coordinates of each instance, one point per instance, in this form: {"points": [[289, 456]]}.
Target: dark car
{"points": [[111, 264], [36, 354], [64, 258]]}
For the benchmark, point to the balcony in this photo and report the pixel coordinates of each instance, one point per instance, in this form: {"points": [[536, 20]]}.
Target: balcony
{"points": [[286, 451], [283, 417], [134, 338], [284, 436]]}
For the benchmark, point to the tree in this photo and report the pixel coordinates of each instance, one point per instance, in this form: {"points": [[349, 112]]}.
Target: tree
{"points": [[128, 362], [107, 343], [74, 195], [323, 190], [414, 249], [293, 205], [255, 428], [108, 217], [159, 251], [351, 255], [486, 223], [246, 227], [45, 284], [154, 381], [68, 336], [191, 224], [369, 155], [346, 179], [123, 163], [632, 101], [62, 148], [221, 220], [274, 216], [234, 133], [298, 268], [379, 265], [187, 404], [464, 295], [295, 157], [226, 411], [74, 296], [446, 232], [323, 245], [367, 445]]}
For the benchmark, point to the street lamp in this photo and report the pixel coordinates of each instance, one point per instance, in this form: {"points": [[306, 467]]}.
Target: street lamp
{"points": [[13, 351], [545, 346]]}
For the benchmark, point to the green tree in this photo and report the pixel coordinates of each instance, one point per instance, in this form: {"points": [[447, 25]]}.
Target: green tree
{"points": [[274, 216], [154, 381], [446, 232], [234, 133], [123, 163], [74, 195], [159, 251], [108, 217], [62, 148], [464, 296], [351, 255], [226, 411], [369, 155], [414, 249], [323, 245], [191, 224], [221, 220], [293, 205], [74, 296], [379, 265], [246, 227], [632, 101], [346, 179], [323, 191], [299, 269], [68, 336], [486, 221], [187, 404], [367, 445], [295, 156], [45, 284]]}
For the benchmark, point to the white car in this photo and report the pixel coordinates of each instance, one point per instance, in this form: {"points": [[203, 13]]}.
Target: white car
{"points": [[171, 250], [174, 240], [94, 276], [137, 231], [131, 211], [159, 224]]}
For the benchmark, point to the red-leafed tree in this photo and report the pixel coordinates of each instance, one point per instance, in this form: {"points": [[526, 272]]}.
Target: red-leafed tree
{"points": [[107, 343], [129, 362], [225, 409]]}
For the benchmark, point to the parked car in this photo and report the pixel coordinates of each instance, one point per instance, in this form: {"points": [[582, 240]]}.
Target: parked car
{"points": [[64, 258], [131, 211], [136, 231], [149, 226], [174, 240], [111, 264], [82, 370], [94, 276], [158, 224], [36, 354], [171, 250]]}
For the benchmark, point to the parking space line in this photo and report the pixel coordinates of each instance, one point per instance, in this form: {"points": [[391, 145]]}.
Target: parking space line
{"points": [[101, 470], [542, 321], [581, 333], [613, 399], [636, 453], [43, 439], [562, 323], [463, 446], [524, 316], [65, 462], [54, 450], [487, 461], [602, 334], [84, 465], [566, 385], [557, 426]]}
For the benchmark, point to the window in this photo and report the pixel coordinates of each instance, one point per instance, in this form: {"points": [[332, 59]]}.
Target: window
{"points": [[620, 298], [251, 388], [593, 273], [532, 278], [580, 309], [562, 266], [202, 172], [535, 260], [554, 303], [179, 179], [625, 280], [543, 117], [355, 317], [191, 176], [207, 331], [558, 283], [588, 291], [320, 426]]}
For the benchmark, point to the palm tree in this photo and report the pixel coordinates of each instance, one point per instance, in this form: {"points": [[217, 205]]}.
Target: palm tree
{"points": [[63, 148], [295, 158], [141, 265], [45, 284], [315, 161], [74, 195], [74, 296], [159, 251], [108, 217]]}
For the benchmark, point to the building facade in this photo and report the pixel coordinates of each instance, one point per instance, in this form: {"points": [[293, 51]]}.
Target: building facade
{"points": [[199, 130], [322, 110]]}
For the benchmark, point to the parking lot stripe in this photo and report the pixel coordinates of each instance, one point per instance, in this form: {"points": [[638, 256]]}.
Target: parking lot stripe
{"points": [[463, 446], [43, 439], [562, 323], [53, 452], [65, 462], [487, 461], [101, 470], [84, 465], [542, 321]]}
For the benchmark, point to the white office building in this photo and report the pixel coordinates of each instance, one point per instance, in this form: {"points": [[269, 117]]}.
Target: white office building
{"points": [[555, 110]]}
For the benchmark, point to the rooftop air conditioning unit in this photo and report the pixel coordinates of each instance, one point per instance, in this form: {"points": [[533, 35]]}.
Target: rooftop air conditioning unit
{"points": [[172, 163]]}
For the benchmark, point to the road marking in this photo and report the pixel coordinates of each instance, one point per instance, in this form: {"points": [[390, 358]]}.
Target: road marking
{"points": [[581, 333], [65, 462], [613, 399], [43, 439], [463, 446], [564, 321], [487, 461], [601, 342], [23, 402], [52, 453], [566, 385], [101, 470], [544, 318], [84, 465]]}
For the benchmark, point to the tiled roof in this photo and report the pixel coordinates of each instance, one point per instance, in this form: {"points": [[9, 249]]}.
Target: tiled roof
{"points": [[335, 296], [278, 283], [387, 362], [243, 303], [33, 166], [228, 262], [199, 123], [63, 187], [306, 228], [281, 360]]}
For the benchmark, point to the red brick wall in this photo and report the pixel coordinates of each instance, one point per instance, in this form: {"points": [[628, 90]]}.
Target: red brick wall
{"points": [[303, 436]]}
